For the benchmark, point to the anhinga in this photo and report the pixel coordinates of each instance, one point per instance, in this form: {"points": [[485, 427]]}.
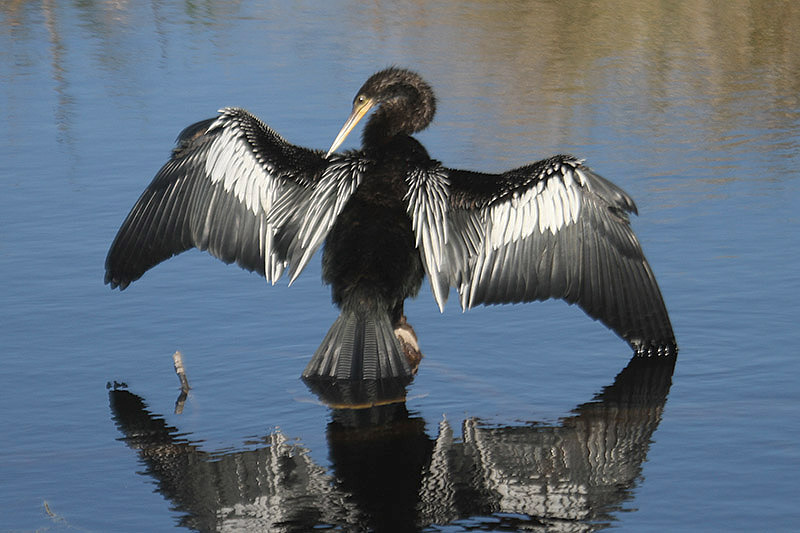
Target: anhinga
{"points": [[389, 215]]}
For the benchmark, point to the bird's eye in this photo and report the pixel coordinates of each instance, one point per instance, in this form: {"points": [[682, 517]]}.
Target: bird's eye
{"points": [[360, 99]]}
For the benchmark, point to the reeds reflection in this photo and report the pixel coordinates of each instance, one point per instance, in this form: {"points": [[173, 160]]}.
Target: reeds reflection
{"points": [[388, 474]]}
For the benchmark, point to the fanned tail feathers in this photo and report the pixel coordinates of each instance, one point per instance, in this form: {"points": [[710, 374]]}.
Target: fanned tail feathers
{"points": [[359, 345]]}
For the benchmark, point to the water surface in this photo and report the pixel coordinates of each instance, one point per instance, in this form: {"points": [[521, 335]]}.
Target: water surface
{"points": [[522, 417]]}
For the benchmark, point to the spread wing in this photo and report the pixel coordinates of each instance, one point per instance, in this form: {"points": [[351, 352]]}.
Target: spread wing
{"points": [[234, 187], [553, 229]]}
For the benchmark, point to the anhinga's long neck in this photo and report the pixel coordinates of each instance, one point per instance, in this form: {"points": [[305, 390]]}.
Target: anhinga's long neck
{"points": [[380, 129]]}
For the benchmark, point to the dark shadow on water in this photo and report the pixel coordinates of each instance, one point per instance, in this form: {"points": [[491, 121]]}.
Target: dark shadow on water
{"points": [[388, 474]]}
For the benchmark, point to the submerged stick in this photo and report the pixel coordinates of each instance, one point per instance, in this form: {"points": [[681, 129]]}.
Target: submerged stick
{"points": [[177, 359]]}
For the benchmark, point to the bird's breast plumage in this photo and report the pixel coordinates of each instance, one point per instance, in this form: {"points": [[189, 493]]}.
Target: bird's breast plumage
{"points": [[372, 244]]}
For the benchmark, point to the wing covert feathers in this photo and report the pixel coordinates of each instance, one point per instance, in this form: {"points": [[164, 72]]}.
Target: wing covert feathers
{"points": [[227, 189], [554, 229]]}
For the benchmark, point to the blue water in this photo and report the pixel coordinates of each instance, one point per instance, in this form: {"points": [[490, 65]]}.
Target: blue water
{"points": [[693, 110]]}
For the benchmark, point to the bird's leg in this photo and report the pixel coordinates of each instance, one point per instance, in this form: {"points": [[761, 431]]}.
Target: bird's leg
{"points": [[408, 340]]}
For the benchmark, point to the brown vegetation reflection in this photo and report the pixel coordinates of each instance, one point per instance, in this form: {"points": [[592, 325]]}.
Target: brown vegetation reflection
{"points": [[531, 65], [388, 474]]}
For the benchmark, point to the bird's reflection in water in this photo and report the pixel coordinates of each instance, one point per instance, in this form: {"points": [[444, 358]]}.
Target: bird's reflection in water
{"points": [[388, 474]]}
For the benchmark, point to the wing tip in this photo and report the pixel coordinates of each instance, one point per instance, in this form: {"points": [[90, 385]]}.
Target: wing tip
{"points": [[117, 280], [655, 349], [116, 283]]}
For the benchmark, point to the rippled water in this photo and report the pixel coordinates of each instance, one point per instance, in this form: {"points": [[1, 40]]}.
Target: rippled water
{"points": [[527, 417]]}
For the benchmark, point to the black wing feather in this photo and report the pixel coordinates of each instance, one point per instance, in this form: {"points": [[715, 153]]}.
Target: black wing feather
{"points": [[216, 193], [553, 229]]}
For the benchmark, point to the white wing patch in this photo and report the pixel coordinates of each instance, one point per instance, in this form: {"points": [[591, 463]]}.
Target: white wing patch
{"points": [[232, 162], [551, 204], [339, 181], [314, 215], [427, 201], [548, 205]]}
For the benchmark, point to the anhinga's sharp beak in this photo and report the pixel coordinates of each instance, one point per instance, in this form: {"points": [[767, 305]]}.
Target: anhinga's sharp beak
{"points": [[359, 110]]}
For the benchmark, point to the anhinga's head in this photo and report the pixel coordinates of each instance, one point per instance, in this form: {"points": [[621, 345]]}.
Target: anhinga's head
{"points": [[404, 103]]}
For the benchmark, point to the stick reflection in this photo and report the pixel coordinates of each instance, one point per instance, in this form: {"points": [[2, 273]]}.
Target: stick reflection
{"points": [[387, 474]]}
